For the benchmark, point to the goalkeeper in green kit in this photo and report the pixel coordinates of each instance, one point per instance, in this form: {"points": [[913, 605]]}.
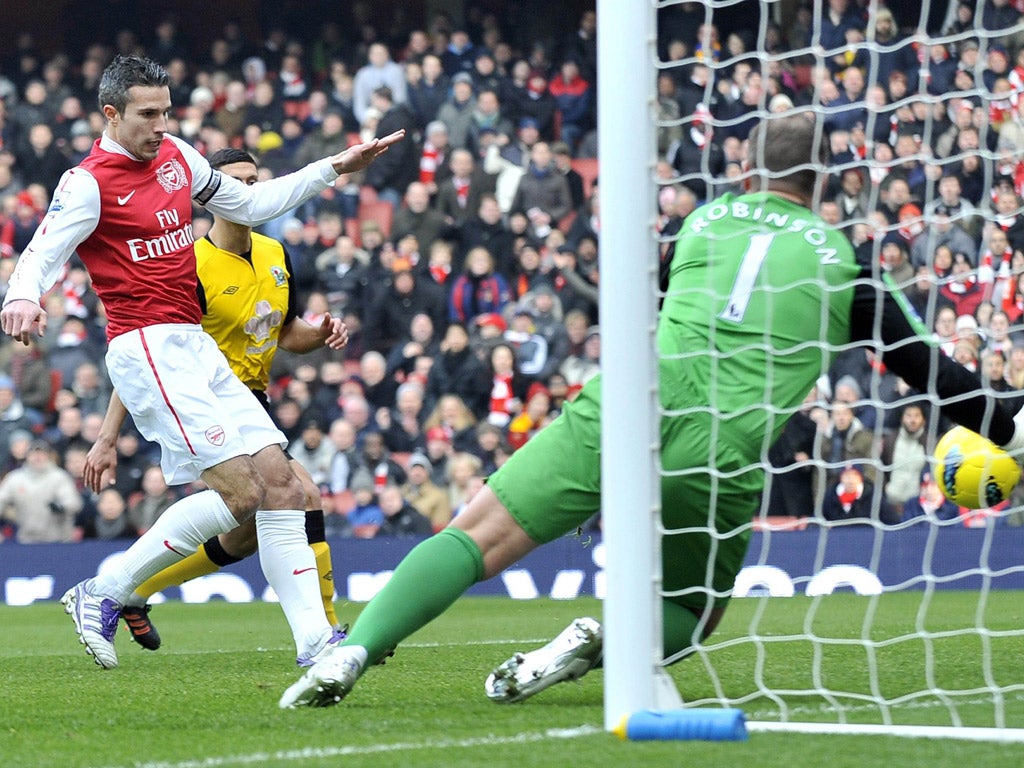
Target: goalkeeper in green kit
{"points": [[761, 296]]}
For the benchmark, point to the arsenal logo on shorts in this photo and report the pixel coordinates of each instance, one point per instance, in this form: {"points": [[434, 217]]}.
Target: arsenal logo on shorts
{"points": [[215, 435]]}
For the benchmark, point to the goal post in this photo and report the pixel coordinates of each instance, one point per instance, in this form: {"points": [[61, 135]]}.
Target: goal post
{"points": [[736, 670], [634, 679]]}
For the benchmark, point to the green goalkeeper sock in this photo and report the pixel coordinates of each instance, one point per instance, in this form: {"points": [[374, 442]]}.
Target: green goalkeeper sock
{"points": [[427, 581], [678, 625]]}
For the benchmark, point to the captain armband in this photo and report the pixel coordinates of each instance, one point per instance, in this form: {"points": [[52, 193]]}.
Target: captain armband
{"points": [[204, 195]]}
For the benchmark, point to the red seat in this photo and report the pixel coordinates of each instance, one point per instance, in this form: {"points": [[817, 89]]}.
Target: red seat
{"points": [[367, 194], [379, 211], [352, 230], [56, 380], [587, 168], [803, 74], [343, 501], [298, 109]]}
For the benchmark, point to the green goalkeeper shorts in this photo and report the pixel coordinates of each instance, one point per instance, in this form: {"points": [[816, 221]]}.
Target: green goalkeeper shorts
{"points": [[552, 486]]}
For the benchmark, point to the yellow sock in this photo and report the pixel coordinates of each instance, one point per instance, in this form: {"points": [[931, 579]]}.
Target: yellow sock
{"points": [[192, 567], [322, 551]]}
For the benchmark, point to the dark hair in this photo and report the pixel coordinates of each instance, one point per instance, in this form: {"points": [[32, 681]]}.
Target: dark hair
{"points": [[506, 345], [790, 143], [125, 72], [230, 155], [921, 405]]}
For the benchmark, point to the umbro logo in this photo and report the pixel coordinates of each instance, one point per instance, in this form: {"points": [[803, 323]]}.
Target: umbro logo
{"points": [[230, 290], [124, 200]]}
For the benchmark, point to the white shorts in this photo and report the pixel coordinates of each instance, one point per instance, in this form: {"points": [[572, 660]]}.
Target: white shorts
{"points": [[182, 394]]}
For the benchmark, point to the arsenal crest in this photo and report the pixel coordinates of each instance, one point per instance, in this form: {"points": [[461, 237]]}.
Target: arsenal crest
{"points": [[171, 176], [215, 435]]}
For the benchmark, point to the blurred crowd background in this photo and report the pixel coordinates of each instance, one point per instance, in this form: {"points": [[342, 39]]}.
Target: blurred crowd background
{"points": [[465, 262]]}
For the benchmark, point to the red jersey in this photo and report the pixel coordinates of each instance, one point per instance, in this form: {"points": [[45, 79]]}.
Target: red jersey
{"points": [[140, 255], [130, 220]]}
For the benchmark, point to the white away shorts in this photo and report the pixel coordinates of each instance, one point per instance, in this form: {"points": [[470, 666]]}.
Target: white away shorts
{"points": [[182, 395]]}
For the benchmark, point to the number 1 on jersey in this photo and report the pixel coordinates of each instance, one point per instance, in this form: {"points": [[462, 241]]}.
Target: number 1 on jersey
{"points": [[753, 258]]}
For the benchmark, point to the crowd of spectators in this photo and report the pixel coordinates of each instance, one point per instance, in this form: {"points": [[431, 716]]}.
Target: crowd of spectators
{"points": [[925, 127], [465, 336], [465, 261]]}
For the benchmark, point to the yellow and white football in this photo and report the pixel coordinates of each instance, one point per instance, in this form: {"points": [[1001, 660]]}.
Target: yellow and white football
{"points": [[972, 471]]}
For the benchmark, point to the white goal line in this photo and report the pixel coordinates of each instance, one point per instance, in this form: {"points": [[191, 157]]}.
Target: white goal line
{"points": [[998, 735]]}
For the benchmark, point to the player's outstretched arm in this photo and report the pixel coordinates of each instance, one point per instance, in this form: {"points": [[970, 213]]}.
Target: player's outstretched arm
{"points": [[101, 461], [917, 362], [301, 337], [358, 156]]}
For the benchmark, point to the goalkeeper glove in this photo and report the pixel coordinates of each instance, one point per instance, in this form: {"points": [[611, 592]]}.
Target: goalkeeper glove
{"points": [[1016, 445]]}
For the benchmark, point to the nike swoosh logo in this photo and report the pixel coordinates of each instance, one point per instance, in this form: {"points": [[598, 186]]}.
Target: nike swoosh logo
{"points": [[168, 545], [126, 198], [297, 571]]}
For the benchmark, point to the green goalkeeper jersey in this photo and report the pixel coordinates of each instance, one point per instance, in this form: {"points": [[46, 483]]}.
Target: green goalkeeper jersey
{"points": [[758, 304]]}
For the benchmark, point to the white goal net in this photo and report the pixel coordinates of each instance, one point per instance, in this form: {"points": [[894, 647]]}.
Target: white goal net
{"points": [[865, 602]]}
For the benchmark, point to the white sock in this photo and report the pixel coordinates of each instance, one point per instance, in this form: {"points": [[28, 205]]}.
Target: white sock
{"points": [[175, 535], [290, 568]]}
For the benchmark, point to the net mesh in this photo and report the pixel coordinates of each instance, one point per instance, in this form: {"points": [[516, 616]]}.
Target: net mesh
{"points": [[890, 617]]}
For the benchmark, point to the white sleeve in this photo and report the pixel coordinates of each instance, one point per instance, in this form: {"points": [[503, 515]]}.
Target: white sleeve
{"points": [[202, 173], [225, 196], [73, 215]]}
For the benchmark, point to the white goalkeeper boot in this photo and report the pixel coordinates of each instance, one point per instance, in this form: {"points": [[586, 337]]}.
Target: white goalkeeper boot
{"points": [[569, 656], [329, 680]]}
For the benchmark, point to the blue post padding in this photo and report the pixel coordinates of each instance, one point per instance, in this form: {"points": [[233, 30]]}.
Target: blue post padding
{"points": [[700, 724]]}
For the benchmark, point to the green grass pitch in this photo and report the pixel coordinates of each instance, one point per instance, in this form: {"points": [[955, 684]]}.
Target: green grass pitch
{"points": [[209, 696]]}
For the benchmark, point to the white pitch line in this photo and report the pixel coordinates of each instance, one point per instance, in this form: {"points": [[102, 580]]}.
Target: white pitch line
{"points": [[825, 708], [170, 651], [267, 649], [527, 641], [320, 753]]}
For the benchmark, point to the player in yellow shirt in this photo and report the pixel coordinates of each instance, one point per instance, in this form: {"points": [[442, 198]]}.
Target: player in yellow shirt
{"points": [[250, 309]]}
